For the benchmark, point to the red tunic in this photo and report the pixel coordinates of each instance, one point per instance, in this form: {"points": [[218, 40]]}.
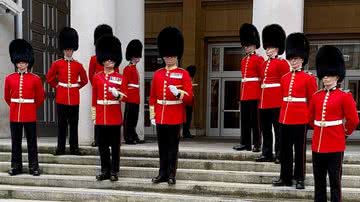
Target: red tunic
{"points": [[297, 88], [95, 67], [169, 109], [132, 76], [108, 108], [67, 77], [333, 115], [271, 72], [24, 93], [250, 82]]}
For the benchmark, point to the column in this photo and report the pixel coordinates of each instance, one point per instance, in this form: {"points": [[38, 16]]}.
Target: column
{"points": [[85, 16], [130, 25], [289, 14]]}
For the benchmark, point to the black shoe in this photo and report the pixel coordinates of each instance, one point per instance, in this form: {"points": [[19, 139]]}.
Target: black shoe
{"points": [[159, 179], [140, 141], [76, 152], [131, 142], [59, 153], [14, 171], [103, 176], [300, 184], [263, 158], [279, 182], [256, 149], [277, 161], [172, 181], [35, 172], [114, 177], [94, 144], [188, 136], [241, 147]]}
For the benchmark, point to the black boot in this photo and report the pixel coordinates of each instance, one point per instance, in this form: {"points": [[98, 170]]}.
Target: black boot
{"points": [[103, 176], [159, 179], [15, 171], [280, 182], [300, 184]]}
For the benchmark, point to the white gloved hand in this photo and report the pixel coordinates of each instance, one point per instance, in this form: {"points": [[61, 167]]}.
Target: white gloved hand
{"points": [[174, 90], [114, 92], [153, 122]]}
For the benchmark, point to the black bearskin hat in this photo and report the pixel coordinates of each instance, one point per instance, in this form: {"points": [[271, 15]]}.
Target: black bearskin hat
{"points": [[192, 70], [102, 30], [274, 36], [297, 45], [330, 62], [108, 48], [68, 39], [249, 35], [134, 49], [21, 51], [170, 42]]}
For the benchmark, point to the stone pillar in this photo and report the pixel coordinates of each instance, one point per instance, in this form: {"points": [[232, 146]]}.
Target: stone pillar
{"points": [[130, 25], [289, 14], [85, 16], [6, 67]]}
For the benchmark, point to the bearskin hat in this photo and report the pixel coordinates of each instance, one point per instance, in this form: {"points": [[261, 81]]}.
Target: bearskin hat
{"points": [[274, 36], [297, 45], [330, 62], [134, 49], [170, 42], [102, 30], [108, 48], [68, 39], [249, 35], [21, 51], [192, 70]]}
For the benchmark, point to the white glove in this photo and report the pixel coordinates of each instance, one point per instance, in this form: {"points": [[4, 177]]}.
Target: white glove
{"points": [[153, 122], [114, 92], [174, 90]]}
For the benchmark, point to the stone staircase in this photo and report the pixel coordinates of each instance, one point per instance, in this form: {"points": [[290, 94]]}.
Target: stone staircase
{"points": [[202, 176]]}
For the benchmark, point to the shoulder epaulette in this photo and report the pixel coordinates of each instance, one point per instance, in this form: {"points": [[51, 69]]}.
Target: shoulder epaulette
{"points": [[345, 90]]}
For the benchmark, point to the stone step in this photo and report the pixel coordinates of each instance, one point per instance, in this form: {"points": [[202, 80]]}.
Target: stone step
{"points": [[183, 188], [348, 169], [182, 174], [83, 194], [349, 157]]}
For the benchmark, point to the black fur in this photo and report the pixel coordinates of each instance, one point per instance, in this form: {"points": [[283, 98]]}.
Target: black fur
{"points": [[134, 49], [297, 45], [108, 48], [170, 42], [102, 30], [68, 39], [249, 35], [21, 51], [330, 62], [273, 36]]}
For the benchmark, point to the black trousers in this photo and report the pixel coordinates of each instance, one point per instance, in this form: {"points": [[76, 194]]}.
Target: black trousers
{"points": [[187, 124], [168, 141], [250, 123], [16, 140], [130, 121], [293, 136], [323, 164], [109, 136], [269, 118], [68, 115]]}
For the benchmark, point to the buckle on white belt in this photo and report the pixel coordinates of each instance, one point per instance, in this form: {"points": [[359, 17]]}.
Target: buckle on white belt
{"points": [[327, 123], [294, 99], [22, 100], [69, 85], [250, 79], [133, 85], [169, 102], [107, 102]]}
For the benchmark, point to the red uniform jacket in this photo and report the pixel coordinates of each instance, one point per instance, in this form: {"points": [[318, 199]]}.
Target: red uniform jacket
{"points": [[132, 76], [250, 82], [297, 88], [95, 67], [108, 108], [24, 93], [332, 107], [169, 109], [64, 77], [271, 72]]}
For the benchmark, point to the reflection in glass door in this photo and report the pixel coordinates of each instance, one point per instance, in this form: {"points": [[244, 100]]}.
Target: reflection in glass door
{"points": [[224, 78]]}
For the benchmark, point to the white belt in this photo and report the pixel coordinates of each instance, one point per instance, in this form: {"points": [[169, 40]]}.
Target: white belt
{"points": [[327, 123], [107, 102], [69, 85], [169, 102], [133, 85], [270, 85], [294, 99], [250, 79], [21, 100]]}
